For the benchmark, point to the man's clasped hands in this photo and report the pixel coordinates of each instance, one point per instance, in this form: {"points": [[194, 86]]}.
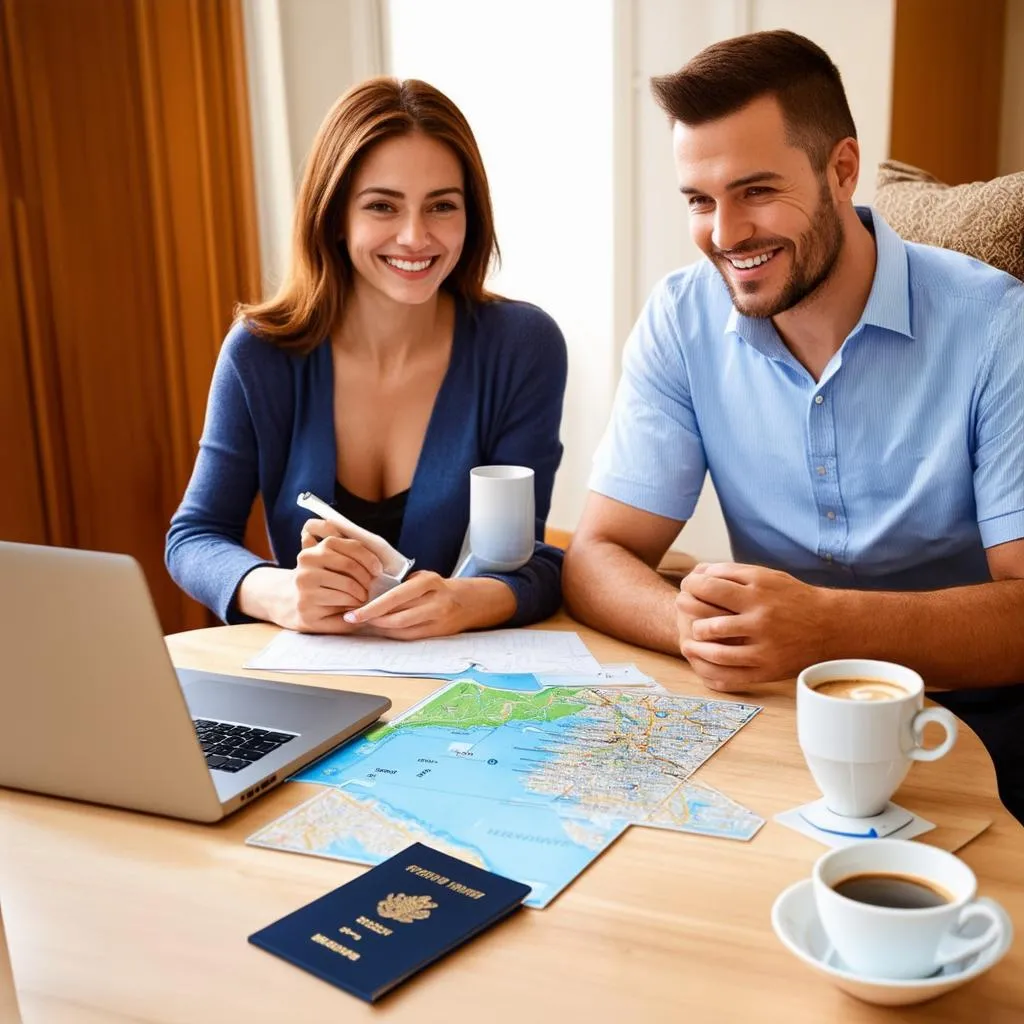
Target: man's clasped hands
{"points": [[743, 624]]}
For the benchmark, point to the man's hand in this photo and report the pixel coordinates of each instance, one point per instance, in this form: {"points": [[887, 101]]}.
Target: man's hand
{"points": [[689, 608], [740, 625]]}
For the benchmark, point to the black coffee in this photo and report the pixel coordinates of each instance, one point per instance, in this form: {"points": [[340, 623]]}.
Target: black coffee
{"points": [[901, 892]]}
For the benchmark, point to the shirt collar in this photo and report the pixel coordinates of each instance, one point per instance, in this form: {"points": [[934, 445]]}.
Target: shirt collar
{"points": [[888, 304]]}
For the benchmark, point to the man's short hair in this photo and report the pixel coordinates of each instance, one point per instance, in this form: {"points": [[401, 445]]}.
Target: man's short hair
{"points": [[728, 75]]}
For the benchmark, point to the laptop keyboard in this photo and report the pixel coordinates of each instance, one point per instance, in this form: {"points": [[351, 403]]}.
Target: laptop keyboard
{"points": [[230, 747]]}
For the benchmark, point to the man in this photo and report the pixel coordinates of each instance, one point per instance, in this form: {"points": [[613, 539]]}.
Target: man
{"points": [[858, 401]]}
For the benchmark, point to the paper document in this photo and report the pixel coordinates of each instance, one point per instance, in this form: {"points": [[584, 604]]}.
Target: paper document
{"points": [[611, 675], [549, 652], [609, 678]]}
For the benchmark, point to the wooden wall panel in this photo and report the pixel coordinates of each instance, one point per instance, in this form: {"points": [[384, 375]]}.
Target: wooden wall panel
{"points": [[947, 86], [22, 507], [133, 137], [87, 127]]}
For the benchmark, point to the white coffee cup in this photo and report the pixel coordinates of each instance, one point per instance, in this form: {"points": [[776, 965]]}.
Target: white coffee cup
{"points": [[502, 517], [859, 751], [891, 942]]}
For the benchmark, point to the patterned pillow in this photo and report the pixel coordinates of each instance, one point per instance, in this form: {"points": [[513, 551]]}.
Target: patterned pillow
{"points": [[984, 219]]}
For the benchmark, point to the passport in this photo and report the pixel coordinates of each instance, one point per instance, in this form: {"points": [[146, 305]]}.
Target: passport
{"points": [[372, 933]]}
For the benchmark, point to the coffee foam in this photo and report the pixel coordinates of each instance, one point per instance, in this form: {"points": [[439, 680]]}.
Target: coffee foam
{"points": [[861, 689]]}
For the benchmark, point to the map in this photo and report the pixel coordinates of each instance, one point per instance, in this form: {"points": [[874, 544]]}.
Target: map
{"points": [[530, 785]]}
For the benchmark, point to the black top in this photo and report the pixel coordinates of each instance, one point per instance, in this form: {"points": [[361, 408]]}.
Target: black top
{"points": [[383, 518]]}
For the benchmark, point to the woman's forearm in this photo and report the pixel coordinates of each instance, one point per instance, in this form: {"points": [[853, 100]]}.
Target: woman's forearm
{"points": [[487, 602], [260, 593]]}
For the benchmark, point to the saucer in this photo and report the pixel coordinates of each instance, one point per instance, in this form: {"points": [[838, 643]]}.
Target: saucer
{"points": [[795, 920]]}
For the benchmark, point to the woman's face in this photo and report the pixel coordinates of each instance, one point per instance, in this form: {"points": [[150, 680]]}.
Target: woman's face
{"points": [[405, 222]]}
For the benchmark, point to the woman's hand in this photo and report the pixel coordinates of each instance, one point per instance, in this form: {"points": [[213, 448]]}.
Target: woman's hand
{"points": [[331, 576], [427, 604]]}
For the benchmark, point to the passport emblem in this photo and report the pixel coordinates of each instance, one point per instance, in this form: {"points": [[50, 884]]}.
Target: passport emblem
{"points": [[405, 909]]}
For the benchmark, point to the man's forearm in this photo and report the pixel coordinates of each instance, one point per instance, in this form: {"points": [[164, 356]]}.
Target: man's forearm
{"points": [[957, 638], [612, 590]]}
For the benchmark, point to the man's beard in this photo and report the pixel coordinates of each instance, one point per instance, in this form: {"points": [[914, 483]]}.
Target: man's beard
{"points": [[820, 245]]}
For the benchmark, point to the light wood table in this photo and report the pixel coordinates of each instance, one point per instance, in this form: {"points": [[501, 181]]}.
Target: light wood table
{"points": [[8, 998], [117, 916]]}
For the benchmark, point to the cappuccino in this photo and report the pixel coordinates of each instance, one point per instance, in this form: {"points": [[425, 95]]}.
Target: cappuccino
{"points": [[861, 689]]}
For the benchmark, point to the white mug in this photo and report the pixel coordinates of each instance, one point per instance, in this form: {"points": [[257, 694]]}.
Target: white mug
{"points": [[502, 518], [860, 751], [890, 942]]}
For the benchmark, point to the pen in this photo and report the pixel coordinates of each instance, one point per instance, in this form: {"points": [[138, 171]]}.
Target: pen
{"points": [[394, 562]]}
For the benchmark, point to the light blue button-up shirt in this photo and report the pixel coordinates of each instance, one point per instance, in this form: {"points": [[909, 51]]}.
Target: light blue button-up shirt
{"points": [[894, 471]]}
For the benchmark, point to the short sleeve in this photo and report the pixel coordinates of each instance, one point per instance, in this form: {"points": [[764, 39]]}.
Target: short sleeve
{"points": [[999, 428], [651, 455]]}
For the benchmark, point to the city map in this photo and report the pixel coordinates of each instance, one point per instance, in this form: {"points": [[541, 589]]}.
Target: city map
{"points": [[531, 785]]}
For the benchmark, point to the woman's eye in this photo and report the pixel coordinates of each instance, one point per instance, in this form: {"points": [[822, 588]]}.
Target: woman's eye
{"points": [[379, 207], [445, 206]]}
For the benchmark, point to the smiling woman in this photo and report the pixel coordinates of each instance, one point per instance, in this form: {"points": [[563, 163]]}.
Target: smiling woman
{"points": [[381, 373]]}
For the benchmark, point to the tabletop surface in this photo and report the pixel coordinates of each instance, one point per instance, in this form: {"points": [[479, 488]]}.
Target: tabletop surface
{"points": [[112, 915]]}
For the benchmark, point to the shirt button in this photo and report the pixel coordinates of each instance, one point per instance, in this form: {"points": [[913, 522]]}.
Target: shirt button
{"points": [[830, 514], [822, 471], [818, 399]]}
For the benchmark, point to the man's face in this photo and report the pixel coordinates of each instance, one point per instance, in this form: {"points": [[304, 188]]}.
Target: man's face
{"points": [[758, 209]]}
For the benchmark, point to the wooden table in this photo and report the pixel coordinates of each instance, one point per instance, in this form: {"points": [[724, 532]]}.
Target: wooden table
{"points": [[8, 999], [117, 916]]}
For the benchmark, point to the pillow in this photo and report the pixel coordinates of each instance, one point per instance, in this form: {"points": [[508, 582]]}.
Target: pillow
{"points": [[984, 219]]}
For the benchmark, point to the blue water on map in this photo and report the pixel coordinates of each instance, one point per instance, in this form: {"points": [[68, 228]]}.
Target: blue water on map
{"points": [[467, 787], [522, 682], [489, 761], [527, 843]]}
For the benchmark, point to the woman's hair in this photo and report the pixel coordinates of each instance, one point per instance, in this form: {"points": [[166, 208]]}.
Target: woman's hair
{"points": [[307, 304]]}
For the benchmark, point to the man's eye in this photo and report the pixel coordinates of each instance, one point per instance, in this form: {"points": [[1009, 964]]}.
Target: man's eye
{"points": [[698, 202], [759, 190]]}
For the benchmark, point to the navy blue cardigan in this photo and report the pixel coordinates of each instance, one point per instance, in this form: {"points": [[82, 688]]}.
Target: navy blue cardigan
{"points": [[270, 430]]}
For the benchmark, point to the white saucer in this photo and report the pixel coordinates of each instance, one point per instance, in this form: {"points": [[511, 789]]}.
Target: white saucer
{"points": [[795, 920]]}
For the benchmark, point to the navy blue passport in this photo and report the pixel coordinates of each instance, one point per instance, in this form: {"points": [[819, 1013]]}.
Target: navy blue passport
{"points": [[372, 933]]}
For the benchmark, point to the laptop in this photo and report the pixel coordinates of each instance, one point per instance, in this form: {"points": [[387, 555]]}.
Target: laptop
{"points": [[93, 709]]}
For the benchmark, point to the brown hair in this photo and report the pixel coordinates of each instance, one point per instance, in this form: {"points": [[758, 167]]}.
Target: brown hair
{"points": [[728, 75], [309, 300]]}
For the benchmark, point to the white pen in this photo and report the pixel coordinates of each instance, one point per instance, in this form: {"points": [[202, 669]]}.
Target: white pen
{"points": [[394, 562]]}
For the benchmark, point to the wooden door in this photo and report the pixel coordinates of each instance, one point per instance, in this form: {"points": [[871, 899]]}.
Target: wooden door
{"points": [[947, 87], [130, 132], [22, 506]]}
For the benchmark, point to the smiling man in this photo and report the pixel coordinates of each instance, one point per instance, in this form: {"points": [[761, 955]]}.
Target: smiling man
{"points": [[858, 401]]}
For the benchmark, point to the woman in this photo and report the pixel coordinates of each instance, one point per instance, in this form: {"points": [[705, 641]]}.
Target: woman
{"points": [[378, 376]]}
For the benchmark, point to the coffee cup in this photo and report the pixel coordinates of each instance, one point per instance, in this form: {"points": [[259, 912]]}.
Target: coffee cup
{"points": [[860, 724], [502, 519], [893, 908]]}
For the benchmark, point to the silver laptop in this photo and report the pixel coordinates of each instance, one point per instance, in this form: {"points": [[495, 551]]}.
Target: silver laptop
{"points": [[92, 708]]}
